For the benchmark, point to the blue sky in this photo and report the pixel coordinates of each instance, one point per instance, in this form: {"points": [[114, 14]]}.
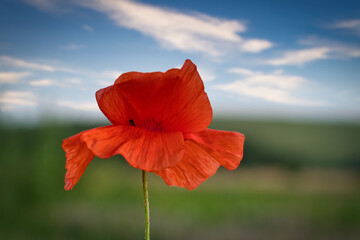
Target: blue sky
{"points": [[266, 59]]}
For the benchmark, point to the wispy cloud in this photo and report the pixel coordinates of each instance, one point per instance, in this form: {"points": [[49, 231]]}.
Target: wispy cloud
{"points": [[206, 75], [107, 77], [351, 25], [112, 74], [302, 56], [12, 77], [16, 62], [241, 71], [176, 30], [88, 28], [255, 45], [188, 32], [63, 83], [276, 87], [79, 106], [54, 6], [299, 57], [44, 82], [336, 49], [73, 81], [18, 98], [72, 46], [6, 60]]}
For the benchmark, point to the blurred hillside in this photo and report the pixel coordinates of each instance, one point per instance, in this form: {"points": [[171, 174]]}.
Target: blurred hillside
{"points": [[296, 181], [297, 145]]}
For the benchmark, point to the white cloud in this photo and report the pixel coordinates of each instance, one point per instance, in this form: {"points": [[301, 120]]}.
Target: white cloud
{"points": [[300, 57], [255, 45], [63, 83], [18, 98], [12, 77], [112, 74], [73, 81], [322, 50], [278, 71], [277, 80], [352, 24], [107, 77], [16, 62], [317, 49], [43, 82], [79, 106], [88, 28], [6, 60], [276, 88], [105, 83], [242, 71], [206, 75], [175, 30], [346, 52]]}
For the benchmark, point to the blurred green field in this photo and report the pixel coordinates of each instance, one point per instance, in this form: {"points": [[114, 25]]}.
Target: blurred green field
{"points": [[296, 181]]}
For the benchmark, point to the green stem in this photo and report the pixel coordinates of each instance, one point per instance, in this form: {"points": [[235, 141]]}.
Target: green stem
{"points": [[146, 205]]}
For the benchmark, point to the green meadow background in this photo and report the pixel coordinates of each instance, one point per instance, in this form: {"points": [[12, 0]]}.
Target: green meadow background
{"points": [[298, 180]]}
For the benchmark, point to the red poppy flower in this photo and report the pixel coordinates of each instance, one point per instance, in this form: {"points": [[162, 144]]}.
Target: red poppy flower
{"points": [[159, 123]]}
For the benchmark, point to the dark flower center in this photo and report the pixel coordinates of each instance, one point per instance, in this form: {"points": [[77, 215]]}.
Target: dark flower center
{"points": [[152, 124], [132, 122], [149, 124]]}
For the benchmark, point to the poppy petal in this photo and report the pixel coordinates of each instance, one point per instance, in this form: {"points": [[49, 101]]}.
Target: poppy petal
{"points": [[78, 156], [144, 149], [114, 106], [195, 167], [170, 101], [224, 146]]}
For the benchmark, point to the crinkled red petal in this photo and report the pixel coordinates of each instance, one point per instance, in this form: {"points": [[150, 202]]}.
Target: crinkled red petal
{"points": [[78, 156], [195, 167], [224, 146], [144, 149], [114, 106], [170, 101]]}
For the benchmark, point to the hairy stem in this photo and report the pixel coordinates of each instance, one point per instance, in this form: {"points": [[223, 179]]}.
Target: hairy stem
{"points": [[146, 205]]}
